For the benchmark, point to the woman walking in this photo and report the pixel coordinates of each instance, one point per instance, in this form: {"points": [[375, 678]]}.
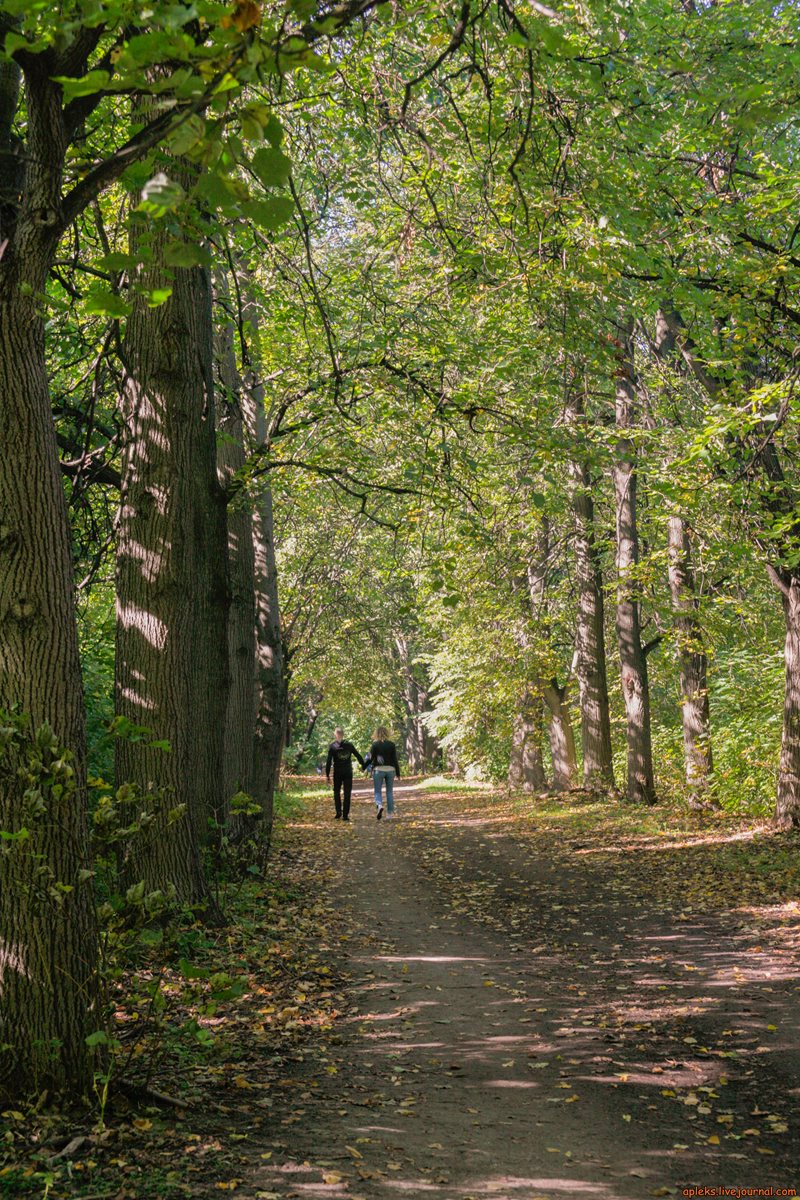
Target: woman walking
{"points": [[385, 767]]}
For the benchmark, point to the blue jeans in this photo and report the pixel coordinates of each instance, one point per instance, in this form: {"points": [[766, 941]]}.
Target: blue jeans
{"points": [[379, 774]]}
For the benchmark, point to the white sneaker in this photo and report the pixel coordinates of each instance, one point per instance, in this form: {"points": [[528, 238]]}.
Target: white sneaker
{"points": [[379, 813]]}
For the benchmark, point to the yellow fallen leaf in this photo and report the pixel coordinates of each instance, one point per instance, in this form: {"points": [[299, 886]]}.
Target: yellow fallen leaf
{"points": [[332, 1177], [713, 1140], [241, 1082], [355, 1153], [142, 1123], [394, 1166]]}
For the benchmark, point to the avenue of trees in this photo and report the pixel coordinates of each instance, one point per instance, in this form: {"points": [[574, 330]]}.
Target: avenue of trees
{"points": [[412, 363]]}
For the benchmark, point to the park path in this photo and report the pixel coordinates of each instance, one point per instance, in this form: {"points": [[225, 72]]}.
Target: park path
{"points": [[521, 1028]]}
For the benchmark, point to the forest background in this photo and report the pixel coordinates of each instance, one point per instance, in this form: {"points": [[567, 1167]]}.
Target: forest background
{"points": [[428, 365]]}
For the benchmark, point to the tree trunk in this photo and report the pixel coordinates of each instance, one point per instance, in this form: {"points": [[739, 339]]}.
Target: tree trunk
{"points": [[559, 728], [633, 661], [598, 767], [562, 738], [693, 661], [172, 585], [526, 765], [240, 720], [48, 936], [787, 808], [270, 684], [421, 747]]}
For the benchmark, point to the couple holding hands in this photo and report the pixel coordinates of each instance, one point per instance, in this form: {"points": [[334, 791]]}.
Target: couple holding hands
{"points": [[381, 760]]}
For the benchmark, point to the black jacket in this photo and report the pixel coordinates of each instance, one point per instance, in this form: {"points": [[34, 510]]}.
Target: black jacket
{"points": [[341, 755], [384, 754]]}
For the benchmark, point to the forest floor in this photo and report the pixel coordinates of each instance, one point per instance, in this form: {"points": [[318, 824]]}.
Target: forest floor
{"points": [[511, 997]]}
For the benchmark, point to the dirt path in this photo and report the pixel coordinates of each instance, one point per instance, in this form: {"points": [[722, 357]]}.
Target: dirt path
{"points": [[525, 1027]]}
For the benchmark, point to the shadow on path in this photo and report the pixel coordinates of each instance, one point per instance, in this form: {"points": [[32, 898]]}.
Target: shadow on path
{"points": [[531, 1027]]}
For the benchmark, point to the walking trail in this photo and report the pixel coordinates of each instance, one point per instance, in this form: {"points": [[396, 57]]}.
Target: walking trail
{"points": [[535, 1015]]}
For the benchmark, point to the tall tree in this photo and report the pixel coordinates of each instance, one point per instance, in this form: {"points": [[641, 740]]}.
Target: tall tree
{"points": [[47, 964], [640, 785], [598, 766], [172, 584]]}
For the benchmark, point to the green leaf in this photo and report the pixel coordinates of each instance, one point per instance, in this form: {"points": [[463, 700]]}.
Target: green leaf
{"points": [[104, 302], [271, 166], [155, 299], [186, 254], [270, 213], [87, 85], [187, 135], [98, 1038]]}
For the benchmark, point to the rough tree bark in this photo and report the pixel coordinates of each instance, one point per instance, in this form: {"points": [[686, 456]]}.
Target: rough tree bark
{"points": [[172, 585], [598, 767], [526, 764], [561, 738], [640, 785], [48, 938]]}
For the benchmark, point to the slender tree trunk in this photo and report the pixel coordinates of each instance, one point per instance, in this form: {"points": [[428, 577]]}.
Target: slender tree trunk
{"points": [[270, 684], [526, 765], [172, 586], [559, 728], [693, 661], [420, 746], [240, 720], [633, 661], [787, 808], [598, 767], [48, 936]]}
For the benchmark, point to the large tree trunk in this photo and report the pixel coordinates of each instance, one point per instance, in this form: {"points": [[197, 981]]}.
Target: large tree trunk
{"points": [[598, 767], [48, 937], [172, 585], [633, 661], [526, 765], [693, 661]]}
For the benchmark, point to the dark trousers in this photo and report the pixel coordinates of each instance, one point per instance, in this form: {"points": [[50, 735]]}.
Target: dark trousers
{"points": [[342, 781]]}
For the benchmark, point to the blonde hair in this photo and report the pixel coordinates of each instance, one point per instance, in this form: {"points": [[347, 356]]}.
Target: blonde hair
{"points": [[381, 734]]}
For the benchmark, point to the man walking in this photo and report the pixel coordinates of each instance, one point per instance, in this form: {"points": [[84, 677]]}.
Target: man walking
{"points": [[340, 754]]}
